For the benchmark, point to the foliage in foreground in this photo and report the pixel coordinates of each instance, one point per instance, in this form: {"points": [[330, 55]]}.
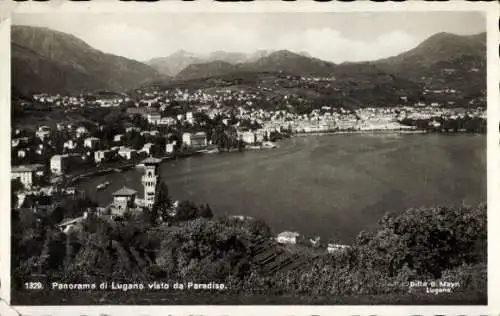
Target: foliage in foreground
{"points": [[418, 245]]}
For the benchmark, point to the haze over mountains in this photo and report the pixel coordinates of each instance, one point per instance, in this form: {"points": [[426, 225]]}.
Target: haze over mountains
{"points": [[44, 60], [173, 64]]}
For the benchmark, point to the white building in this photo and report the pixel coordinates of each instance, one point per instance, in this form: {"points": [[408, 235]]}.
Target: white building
{"points": [[287, 237], [67, 225], [60, 163], [70, 144], [248, 137], [127, 153], [43, 134], [81, 131], [196, 140], [336, 247], [189, 117], [118, 137], [28, 175], [154, 118], [148, 148], [169, 148], [18, 141], [123, 199], [149, 180], [91, 142], [103, 155], [167, 121], [132, 129]]}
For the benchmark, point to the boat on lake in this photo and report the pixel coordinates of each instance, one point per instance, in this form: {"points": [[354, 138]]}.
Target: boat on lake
{"points": [[269, 145], [102, 186], [212, 151]]}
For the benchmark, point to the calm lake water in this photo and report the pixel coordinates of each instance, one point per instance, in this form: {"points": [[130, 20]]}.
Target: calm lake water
{"points": [[331, 185]]}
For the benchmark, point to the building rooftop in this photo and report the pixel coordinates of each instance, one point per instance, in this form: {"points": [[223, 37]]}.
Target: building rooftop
{"points": [[26, 168], [288, 234], [124, 191]]}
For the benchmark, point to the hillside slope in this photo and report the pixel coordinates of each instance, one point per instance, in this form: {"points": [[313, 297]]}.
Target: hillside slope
{"points": [[44, 60]]}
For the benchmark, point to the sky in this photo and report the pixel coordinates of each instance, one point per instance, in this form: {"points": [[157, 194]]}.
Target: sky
{"points": [[336, 37]]}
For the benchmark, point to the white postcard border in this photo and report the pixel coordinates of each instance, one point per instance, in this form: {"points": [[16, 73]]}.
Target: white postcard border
{"points": [[491, 9]]}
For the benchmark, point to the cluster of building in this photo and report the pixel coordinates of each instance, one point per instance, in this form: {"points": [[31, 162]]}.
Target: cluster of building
{"points": [[294, 238], [126, 200], [240, 109]]}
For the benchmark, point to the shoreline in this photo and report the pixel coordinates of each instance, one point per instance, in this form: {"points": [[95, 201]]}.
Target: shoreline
{"points": [[301, 134], [130, 165]]}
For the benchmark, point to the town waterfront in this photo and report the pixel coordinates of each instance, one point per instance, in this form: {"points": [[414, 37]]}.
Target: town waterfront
{"points": [[331, 185]]}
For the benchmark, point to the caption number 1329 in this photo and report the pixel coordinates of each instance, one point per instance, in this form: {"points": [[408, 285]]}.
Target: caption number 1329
{"points": [[33, 285]]}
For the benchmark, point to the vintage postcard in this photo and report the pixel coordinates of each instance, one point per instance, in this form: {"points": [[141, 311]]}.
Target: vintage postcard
{"points": [[258, 154]]}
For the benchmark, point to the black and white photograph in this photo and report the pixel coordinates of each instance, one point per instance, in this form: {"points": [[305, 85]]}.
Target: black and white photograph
{"points": [[248, 158]]}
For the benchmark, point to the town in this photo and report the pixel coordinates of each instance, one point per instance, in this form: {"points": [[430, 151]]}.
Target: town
{"points": [[116, 132], [113, 129]]}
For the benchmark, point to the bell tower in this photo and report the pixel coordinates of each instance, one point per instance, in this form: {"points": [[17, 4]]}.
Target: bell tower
{"points": [[149, 179]]}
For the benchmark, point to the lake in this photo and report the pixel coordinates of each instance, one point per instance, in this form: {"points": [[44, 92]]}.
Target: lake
{"points": [[330, 185]]}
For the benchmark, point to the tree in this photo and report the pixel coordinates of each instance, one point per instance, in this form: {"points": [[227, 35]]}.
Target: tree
{"points": [[205, 211], [16, 185], [186, 211], [162, 203]]}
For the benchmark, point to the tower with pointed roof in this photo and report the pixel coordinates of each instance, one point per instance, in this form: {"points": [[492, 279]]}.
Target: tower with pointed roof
{"points": [[150, 179]]}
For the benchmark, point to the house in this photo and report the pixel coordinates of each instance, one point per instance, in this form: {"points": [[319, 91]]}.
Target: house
{"points": [[91, 142], [43, 134], [28, 175], [61, 126], [118, 137], [316, 241], [169, 148], [103, 155], [81, 131], [127, 153], [259, 136], [18, 131], [287, 237], [123, 199], [154, 118], [189, 117], [336, 247], [60, 163], [248, 137], [132, 129], [70, 144], [19, 141], [196, 140], [167, 121], [68, 224], [186, 139], [148, 148]]}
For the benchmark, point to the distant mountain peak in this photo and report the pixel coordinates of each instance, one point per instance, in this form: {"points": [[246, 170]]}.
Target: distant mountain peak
{"points": [[182, 52], [44, 60]]}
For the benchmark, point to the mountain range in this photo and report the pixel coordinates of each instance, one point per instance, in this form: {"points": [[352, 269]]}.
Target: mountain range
{"points": [[175, 63], [44, 60]]}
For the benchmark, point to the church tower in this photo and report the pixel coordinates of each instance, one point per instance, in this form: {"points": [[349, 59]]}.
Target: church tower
{"points": [[150, 179]]}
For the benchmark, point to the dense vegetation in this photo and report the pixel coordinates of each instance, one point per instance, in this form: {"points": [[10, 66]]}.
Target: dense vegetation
{"points": [[192, 245]]}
